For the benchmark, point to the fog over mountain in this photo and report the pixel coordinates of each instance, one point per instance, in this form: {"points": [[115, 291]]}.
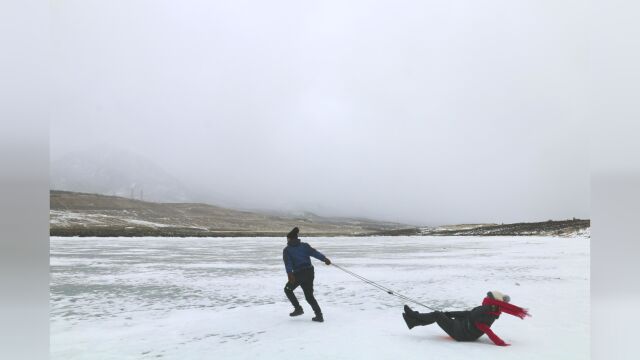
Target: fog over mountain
{"points": [[110, 171], [107, 170], [419, 112]]}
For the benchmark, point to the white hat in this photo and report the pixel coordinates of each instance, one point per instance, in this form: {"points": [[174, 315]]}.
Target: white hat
{"points": [[499, 296]]}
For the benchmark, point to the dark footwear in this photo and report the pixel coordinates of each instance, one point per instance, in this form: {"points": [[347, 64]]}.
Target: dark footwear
{"points": [[410, 321], [297, 312], [408, 310], [423, 318], [318, 318]]}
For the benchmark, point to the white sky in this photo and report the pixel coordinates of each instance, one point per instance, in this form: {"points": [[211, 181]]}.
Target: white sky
{"points": [[426, 112]]}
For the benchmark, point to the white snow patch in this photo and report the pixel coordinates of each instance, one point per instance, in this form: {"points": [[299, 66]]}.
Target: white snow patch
{"points": [[146, 223]]}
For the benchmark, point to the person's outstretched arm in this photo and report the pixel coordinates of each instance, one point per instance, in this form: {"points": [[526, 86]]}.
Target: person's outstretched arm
{"points": [[318, 255], [487, 330]]}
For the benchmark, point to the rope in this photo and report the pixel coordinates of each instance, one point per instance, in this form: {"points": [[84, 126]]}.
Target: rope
{"points": [[383, 288]]}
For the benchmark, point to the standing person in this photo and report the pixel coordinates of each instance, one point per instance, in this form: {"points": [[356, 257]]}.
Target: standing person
{"points": [[472, 324], [300, 272]]}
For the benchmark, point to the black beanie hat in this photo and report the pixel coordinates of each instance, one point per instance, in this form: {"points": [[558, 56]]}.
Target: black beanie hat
{"points": [[293, 234]]}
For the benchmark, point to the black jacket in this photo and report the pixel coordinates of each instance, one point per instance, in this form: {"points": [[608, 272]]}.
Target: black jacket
{"points": [[481, 314]]}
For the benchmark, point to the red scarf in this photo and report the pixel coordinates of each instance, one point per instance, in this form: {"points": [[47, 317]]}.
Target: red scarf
{"points": [[506, 307]]}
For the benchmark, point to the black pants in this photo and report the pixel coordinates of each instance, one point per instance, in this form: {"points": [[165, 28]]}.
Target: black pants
{"points": [[452, 327], [304, 279]]}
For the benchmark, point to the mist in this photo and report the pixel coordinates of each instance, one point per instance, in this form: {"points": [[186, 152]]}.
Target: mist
{"points": [[422, 112]]}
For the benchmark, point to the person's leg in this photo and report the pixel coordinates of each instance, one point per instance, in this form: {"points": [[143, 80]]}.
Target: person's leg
{"points": [[306, 282], [422, 318], [447, 324], [288, 290]]}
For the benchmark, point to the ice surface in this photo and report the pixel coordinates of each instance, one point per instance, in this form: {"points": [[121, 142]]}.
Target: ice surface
{"points": [[222, 298]]}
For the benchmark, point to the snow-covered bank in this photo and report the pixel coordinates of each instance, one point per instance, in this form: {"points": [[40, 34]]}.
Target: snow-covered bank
{"points": [[222, 298]]}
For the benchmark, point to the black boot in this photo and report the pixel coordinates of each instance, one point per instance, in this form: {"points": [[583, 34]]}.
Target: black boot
{"points": [[410, 321], [425, 318], [298, 311], [408, 310], [318, 318]]}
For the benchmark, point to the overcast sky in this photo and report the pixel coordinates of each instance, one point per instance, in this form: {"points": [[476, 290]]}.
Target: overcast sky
{"points": [[425, 112]]}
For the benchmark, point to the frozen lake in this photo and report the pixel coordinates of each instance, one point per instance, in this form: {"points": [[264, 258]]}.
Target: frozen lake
{"points": [[222, 298]]}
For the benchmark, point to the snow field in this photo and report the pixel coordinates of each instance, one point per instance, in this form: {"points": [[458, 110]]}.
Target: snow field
{"points": [[222, 298]]}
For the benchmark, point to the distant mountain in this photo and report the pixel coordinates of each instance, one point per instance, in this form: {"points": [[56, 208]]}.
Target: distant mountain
{"points": [[116, 172], [82, 214]]}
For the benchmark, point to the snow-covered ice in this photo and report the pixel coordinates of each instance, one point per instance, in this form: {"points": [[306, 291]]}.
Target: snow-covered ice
{"points": [[222, 298]]}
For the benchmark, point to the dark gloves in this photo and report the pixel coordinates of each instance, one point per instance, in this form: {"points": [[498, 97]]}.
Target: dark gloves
{"points": [[327, 261], [292, 279]]}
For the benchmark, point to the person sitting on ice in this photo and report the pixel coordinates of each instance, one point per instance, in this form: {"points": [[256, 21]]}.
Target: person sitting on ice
{"points": [[472, 324]]}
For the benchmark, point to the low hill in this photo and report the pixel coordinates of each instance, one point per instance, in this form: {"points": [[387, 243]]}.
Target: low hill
{"points": [[83, 214], [571, 227]]}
